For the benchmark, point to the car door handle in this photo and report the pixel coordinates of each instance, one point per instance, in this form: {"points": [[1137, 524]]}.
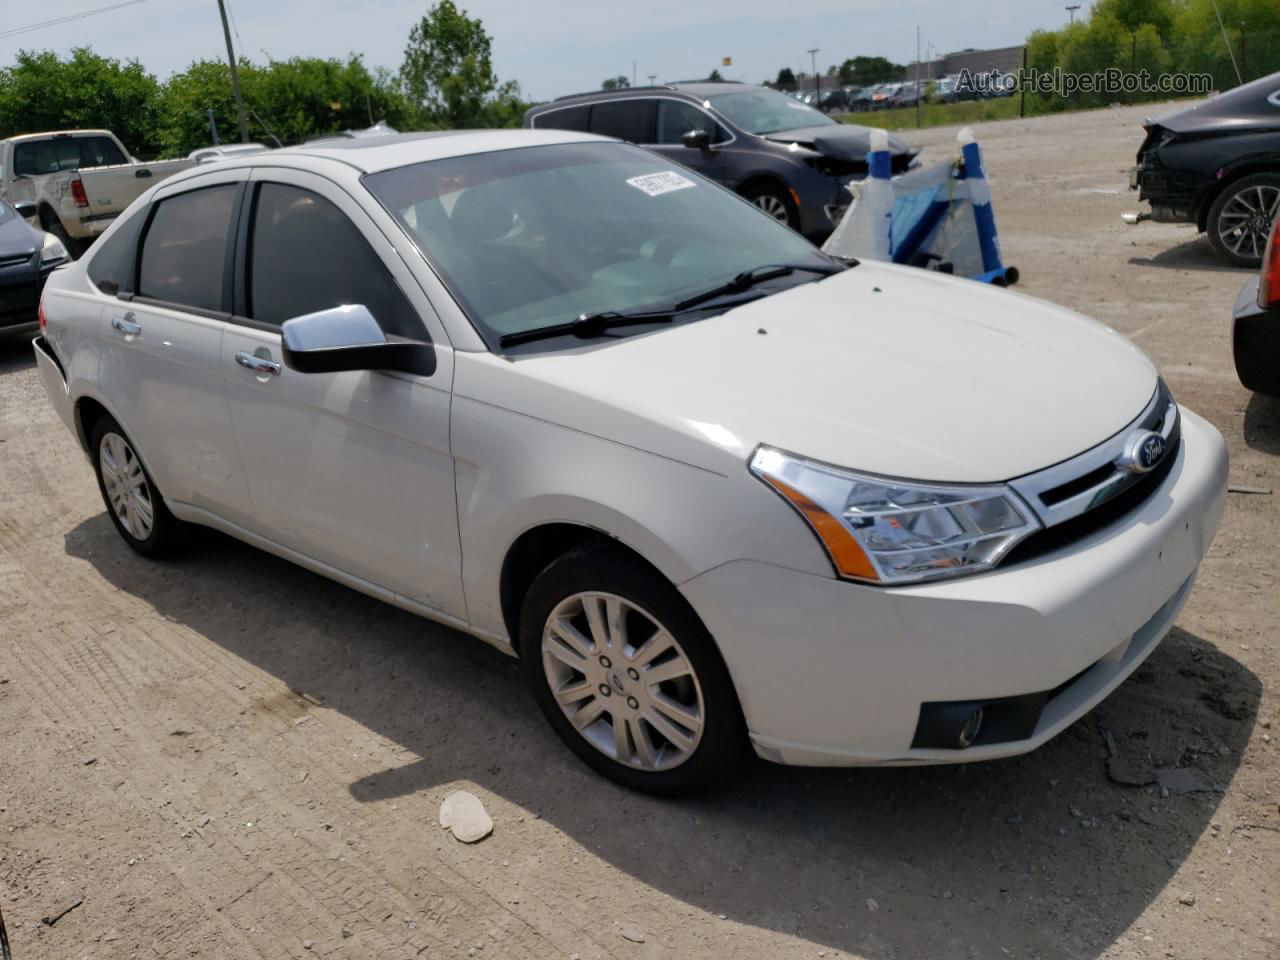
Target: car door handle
{"points": [[257, 364], [126, 326], [140, 174]]}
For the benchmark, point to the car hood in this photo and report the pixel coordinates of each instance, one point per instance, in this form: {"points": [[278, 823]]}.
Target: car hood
{"points": [[1255, 105], [885, 369], [17, 236], [844, 141]]}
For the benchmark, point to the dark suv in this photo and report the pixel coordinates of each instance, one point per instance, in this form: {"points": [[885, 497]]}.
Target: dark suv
{"points": [[787, 158]]}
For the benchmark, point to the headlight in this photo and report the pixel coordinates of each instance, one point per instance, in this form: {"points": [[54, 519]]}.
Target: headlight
{"points": [[892, 532], [53, 250]]}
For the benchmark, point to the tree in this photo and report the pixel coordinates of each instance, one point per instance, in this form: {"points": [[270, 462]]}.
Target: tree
{"points": [[865, 71], [616, 83], [294, 100], [43, 92], [715, 77], [786, 79], [448, 72]]}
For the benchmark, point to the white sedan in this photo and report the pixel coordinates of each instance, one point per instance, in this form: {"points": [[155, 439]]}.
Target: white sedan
{"points": [[712, 487]]}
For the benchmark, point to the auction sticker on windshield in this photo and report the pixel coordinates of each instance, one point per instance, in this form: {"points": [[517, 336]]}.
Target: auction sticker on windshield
{"points": [[656, 184]]}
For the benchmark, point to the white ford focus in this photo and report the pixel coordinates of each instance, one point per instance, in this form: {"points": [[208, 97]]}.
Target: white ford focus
{"points": [[713, 487]]}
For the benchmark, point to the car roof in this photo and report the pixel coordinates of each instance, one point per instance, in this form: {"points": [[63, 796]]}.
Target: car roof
{"points": [[694, 89], [58, 133], [373, 154]]}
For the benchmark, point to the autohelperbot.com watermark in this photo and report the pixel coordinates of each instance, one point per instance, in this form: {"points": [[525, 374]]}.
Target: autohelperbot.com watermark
{"points": [[1112, 82]]}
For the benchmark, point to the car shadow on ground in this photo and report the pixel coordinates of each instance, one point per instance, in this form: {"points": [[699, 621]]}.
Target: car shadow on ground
{"points": [[1262, 424], [1194, 254], [1045, 855], [15, 349]]}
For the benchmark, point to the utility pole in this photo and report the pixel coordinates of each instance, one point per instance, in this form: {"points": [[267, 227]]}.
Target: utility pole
{"points": [[235, 75], [918, 94], [817, 84], [1072, 10]]}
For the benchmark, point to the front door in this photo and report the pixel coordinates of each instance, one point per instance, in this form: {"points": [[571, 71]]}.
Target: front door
{"points": [[675, 119], [350, 469]]}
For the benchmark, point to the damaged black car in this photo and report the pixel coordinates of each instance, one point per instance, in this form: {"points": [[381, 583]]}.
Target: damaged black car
{"points": [[792, 161], [1217, 164]]}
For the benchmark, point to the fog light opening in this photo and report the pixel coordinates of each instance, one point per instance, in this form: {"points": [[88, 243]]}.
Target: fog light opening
{"points": [[969, 732]]}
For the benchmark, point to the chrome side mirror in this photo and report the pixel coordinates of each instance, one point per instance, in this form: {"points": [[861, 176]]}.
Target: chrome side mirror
{"points": [[25, 209], [349, 338]]}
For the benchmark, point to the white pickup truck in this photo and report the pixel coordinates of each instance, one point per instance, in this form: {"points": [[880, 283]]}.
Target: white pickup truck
{"points": [[79, 180]]}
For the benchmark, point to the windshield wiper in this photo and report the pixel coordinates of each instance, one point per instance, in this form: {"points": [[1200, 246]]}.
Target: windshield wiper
{"points": [[749, 278], [586, 326]]}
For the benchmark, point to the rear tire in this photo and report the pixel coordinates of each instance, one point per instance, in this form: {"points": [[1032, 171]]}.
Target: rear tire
{"points": [[1240, 219], [50, 223], [133, 501], [627, 675]]}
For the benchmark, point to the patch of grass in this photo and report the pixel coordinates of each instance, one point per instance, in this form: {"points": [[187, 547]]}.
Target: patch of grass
{"points": [[936, 114]]}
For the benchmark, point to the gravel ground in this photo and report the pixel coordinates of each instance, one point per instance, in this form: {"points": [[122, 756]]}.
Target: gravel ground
{"points": [[226, 756]]}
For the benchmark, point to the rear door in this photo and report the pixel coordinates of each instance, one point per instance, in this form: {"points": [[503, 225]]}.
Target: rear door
{"points": [[350, 469], [161, 341]]}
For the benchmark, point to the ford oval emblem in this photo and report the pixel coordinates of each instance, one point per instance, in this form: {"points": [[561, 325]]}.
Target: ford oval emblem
{"points": [[1142, 453]]}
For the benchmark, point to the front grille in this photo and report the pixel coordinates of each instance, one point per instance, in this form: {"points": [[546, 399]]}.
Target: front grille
{"points": [[13, 261], [1086, 524]]}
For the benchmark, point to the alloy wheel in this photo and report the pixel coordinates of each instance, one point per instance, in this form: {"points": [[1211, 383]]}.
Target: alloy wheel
{"points": [[773, 207], [623, 681], [1245, 222], [127, 489]]}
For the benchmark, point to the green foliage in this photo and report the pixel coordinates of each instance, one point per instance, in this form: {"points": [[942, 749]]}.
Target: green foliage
{"points": [[865, 71], [714, 77], [786, 78], [448, 74], [616, 83], [293, 99], [42, 92], [1253, 28]]}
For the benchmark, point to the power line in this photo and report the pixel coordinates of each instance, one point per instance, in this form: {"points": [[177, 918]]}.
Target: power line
{"points": [[14, 31]]}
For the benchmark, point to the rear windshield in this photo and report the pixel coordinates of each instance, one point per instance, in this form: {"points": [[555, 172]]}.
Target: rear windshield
{"points": [[35, 157]]}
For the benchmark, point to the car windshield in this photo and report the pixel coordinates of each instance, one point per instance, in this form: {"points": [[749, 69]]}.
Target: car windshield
{"points": [[542, 235], [758, 110]]}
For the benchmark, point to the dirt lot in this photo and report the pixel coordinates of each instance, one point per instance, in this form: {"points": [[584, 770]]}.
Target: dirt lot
{"points": [[228, 757]]}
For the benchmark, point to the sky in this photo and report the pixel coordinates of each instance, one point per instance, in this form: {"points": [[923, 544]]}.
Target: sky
{"points": [[551, 47]]}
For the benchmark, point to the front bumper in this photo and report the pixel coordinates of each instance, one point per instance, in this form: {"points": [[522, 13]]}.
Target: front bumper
{"points": [[832, 673], [20, 295]]}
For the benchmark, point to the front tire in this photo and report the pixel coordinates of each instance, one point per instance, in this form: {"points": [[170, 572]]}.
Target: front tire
{"points": [[133, 502], [777, 202], [627, 675], [1240, 219]]}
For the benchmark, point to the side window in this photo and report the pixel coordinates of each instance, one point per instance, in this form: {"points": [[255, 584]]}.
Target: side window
{"points": [[31, 158], [183, 256], [111, 258], [676, 118], [630, 120], [99, 152], [305, 255], [566, 118]]}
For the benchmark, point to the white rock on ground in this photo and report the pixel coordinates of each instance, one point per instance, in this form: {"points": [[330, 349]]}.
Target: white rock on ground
{"points": [[464, 814]]}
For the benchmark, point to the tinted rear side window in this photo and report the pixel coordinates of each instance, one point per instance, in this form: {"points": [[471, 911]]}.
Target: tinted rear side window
{"points": [[566, 118], [36, 157], [184, 254], [112, 258], [305, 255], [630, 120]]}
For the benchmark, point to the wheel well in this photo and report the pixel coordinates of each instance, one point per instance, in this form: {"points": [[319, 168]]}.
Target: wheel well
{"points": [[534, 551], [762, 180], [45, 213], [88, 413], [1211, 195]]}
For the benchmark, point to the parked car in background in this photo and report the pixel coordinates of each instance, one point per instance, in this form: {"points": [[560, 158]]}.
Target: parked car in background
{"points": [[223, 151], [835, 100], [790, 160], [79, 180], [907, 95], [589, 406], [27, 257], [882, 95], [1217, 164], [1256, 332]]}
